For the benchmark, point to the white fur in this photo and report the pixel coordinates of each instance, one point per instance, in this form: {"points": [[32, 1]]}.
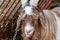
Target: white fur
{"points": [[57, 22], [58, 27], [57, 9], [24, 2], [34, 2], [28, 10], [30, 29]]}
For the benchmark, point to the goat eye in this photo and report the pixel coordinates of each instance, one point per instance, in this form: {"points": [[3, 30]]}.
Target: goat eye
{"points": [[23, 11]]}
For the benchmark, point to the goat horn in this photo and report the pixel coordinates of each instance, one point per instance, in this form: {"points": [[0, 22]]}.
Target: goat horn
{"points": [[24, 3], [34, 2]]}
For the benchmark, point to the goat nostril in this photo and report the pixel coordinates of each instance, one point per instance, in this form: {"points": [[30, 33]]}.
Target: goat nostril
{"points": [[28, 31]]}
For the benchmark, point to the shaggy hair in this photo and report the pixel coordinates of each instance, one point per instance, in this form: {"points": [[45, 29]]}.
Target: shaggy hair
{"points": [[43, 21], [45, 26]]}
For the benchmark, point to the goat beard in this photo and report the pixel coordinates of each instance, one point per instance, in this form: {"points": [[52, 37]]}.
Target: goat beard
{"points": [[34, 36]]}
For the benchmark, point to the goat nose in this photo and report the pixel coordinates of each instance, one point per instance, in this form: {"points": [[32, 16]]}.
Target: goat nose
{"points": [[28, 32]]}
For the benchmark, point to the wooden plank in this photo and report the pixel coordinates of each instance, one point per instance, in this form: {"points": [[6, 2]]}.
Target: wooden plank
{"points": [[1, 1], [3, 6], [12, 14], [6, 9], [12, 9], [44, 4], [15, 10]]}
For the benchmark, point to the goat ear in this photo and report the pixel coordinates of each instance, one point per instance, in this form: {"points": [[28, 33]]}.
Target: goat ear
{"points": [[24, 3], [34, 2]]}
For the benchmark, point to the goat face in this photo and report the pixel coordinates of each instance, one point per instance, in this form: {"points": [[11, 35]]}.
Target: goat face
{"points": [[29, 25]]}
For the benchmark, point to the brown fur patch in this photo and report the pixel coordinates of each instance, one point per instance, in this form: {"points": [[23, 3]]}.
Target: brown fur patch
{"points": [[45, 27]]}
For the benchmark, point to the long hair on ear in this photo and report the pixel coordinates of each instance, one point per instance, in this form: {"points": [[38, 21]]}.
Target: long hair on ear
{"points": [[48, 22], [45, 27]]}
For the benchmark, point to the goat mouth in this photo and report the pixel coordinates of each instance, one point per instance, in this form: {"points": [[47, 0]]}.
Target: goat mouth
{"points": [[29, 35]]}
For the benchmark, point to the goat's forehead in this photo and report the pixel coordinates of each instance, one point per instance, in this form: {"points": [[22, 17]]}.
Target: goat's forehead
{"points": [[28, 7], [28, 10]]}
